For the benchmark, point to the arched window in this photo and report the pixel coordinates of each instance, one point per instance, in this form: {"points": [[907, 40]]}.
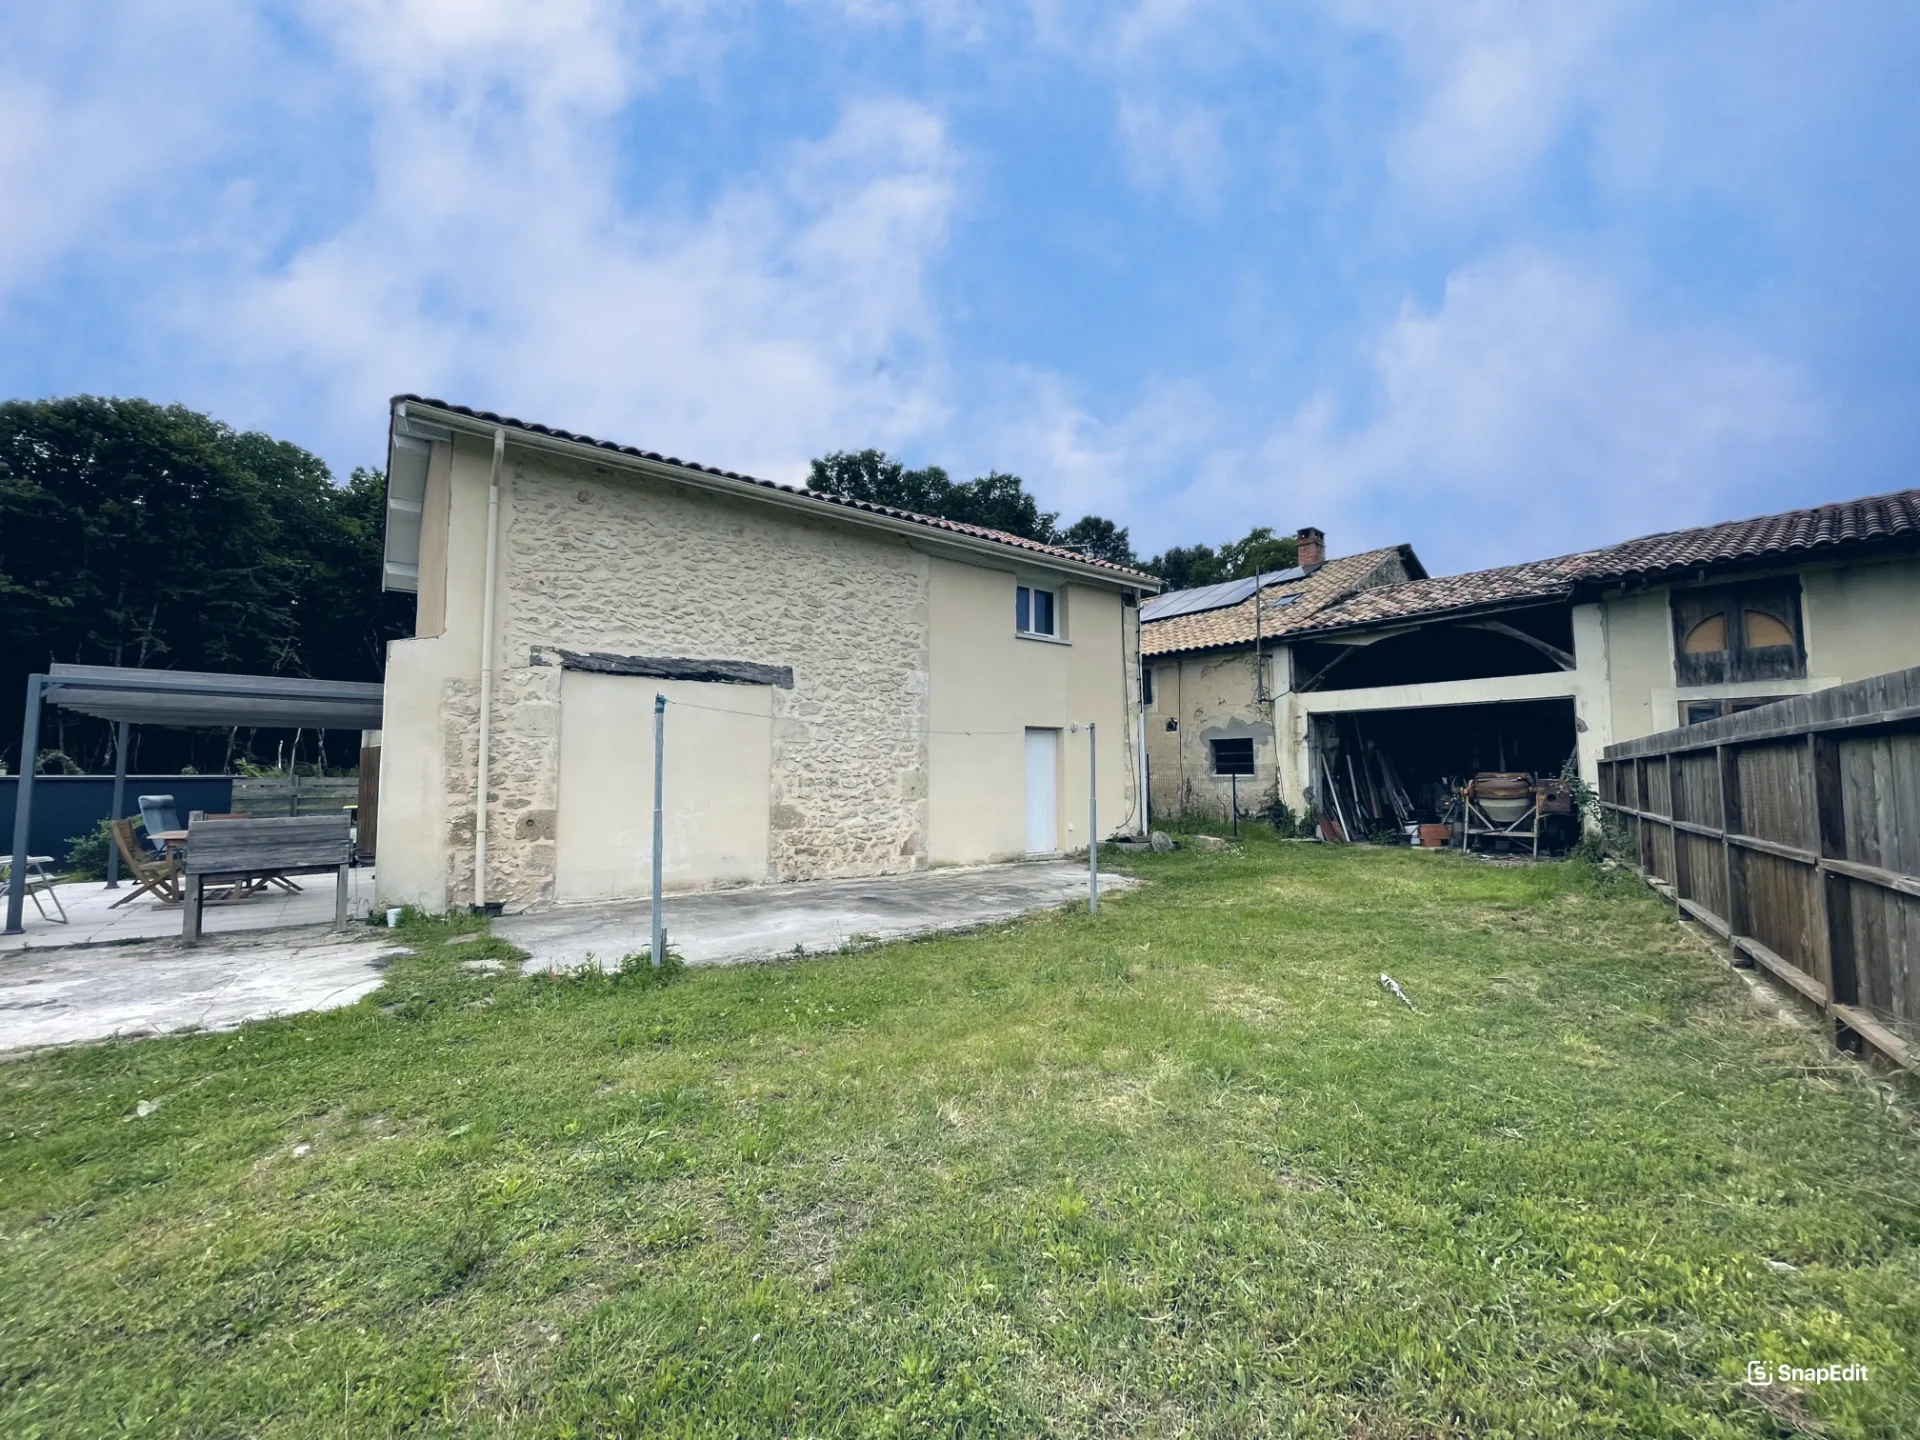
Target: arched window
{"points": [[1764, 630], [1707, 637], [1737, 634]]}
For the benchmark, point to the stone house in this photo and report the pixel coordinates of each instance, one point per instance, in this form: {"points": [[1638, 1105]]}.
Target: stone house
{"points": [[850, 690], [1524, 667], [1213, 660]]}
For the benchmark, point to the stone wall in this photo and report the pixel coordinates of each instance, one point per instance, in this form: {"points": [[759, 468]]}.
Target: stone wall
{"points": [[594, 559]]}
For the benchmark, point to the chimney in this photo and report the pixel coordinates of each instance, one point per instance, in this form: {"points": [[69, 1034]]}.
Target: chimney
{"points": [[1312, 547]]}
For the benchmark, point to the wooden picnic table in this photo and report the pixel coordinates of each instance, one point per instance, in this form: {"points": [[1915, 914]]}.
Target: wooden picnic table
{"points": [[249, 851]]}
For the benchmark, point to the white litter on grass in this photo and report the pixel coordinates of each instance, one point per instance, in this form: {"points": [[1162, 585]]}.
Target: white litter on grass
{"points": [[1782, 1265], [146, 1108], [1388, 982]]}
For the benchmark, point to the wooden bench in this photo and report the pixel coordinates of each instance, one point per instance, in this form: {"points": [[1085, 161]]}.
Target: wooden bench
{"points": [[259, 850]]}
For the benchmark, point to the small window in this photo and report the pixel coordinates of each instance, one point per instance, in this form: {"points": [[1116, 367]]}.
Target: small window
{"points": [[1233, 757], [1764, 630], [1146, 686], [1702, 710], [1709, 636], [1033, 611]]}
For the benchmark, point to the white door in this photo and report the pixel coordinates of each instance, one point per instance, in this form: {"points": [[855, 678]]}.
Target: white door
{"points": [[1043, 792]]}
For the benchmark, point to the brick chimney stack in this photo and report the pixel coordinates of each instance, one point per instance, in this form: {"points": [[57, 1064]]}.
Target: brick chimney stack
{"points": [[1313, 549]]}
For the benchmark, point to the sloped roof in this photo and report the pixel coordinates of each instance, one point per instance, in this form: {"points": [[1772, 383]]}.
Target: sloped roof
{"points": [[1537, 579], [1214, 597], [933, 522], [1845, 524], [1283, 606], [1765, 537]]}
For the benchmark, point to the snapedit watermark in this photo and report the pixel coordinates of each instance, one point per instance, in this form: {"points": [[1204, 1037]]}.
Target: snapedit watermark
{"points": [[1760, 1372]]}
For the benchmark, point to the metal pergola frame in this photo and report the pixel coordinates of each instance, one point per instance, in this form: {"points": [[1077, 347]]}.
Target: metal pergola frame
{"points": [[177, 698]]}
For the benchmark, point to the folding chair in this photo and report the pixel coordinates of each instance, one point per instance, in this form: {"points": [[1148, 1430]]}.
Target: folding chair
{"points": [[40, 881], [159, 876], [161, 815]]}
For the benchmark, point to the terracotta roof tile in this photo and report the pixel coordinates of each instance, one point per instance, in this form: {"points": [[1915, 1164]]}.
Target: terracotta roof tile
{"points": [[1285, 607], [1542, 579], [936, 522], [1847, 522], [1767, 537]]}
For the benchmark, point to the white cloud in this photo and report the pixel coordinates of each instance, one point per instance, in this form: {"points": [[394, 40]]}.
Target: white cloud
{"points": [[101, 106], [494, 253], [1538, 411]]}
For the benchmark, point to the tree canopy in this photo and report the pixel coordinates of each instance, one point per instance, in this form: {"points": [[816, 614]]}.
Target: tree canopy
{"points": [[139, 534], [996, 500], [1255, 553]]}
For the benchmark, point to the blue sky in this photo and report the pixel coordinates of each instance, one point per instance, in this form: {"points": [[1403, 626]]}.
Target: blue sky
{"points": [[1500, 279]]}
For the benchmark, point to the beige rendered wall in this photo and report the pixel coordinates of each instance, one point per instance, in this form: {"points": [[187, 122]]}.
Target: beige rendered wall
{"points": [[1859, 621], [717, 763], [1862, 620], [432, 681], [1212, 697], [1639, 646], [988, 685], [599, 558]]}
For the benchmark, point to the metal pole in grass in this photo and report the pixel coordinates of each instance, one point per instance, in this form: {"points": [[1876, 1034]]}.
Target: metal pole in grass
{"points": [[659, 825], [1236, 804], [120, 743], [23, 803], [1093, 827]]}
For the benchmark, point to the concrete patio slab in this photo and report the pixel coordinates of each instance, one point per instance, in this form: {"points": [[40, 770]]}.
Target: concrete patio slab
{"points": [[58, 997], [52, 994], [764, 923], [93, 921]]}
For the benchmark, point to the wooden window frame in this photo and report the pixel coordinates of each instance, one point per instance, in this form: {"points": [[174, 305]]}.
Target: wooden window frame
{"points": [[1738, 663]]}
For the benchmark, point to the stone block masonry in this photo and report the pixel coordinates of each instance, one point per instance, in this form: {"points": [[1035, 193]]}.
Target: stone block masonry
{"points": [[599, 561]]}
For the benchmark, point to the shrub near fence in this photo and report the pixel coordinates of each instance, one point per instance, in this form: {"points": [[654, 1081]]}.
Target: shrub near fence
{"points": [[1793, 831]]}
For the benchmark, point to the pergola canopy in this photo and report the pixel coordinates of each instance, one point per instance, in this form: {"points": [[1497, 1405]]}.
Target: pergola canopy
{"points": [[196, 698], [189, 698]]}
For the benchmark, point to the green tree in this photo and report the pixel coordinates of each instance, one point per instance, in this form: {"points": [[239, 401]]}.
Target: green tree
{"points": [[996, 500], [1099, 539], [879, 479], [1258, 552], [139, 534]]}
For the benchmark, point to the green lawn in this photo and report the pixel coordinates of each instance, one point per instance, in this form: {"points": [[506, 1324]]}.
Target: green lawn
{"points": [[1180, 1168]]}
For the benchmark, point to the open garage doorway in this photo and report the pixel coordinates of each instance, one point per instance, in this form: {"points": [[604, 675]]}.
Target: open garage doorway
{"points": [[1380, 773]]}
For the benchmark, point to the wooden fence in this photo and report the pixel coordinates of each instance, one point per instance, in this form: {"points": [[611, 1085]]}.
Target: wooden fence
{"points": [[294, 794], [1793, 831]]}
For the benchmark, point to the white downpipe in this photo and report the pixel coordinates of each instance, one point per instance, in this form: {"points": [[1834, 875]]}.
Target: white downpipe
{"points": [[486, 673]]}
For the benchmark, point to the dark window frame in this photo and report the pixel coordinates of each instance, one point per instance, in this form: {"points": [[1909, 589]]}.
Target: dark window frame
{"points": [[1738, 662], [1146, 687], [1698, 712], [1027, 608], [1214, 754]]}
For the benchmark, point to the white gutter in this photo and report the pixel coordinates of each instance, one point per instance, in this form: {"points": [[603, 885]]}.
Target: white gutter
{"points": [[486, 673], [820, 509]]}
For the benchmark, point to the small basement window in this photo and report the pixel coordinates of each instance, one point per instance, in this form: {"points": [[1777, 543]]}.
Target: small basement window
{"points": [[1700, 711], [1034, 612], [1233, 757]]}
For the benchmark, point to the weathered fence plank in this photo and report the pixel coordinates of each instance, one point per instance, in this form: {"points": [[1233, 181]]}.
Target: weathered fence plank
{"points": [[1793, 830]]}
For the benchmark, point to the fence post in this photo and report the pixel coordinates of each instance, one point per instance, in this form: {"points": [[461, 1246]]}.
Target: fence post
{"points": [[1732, 824], [1833, 909], [659, 823]]}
